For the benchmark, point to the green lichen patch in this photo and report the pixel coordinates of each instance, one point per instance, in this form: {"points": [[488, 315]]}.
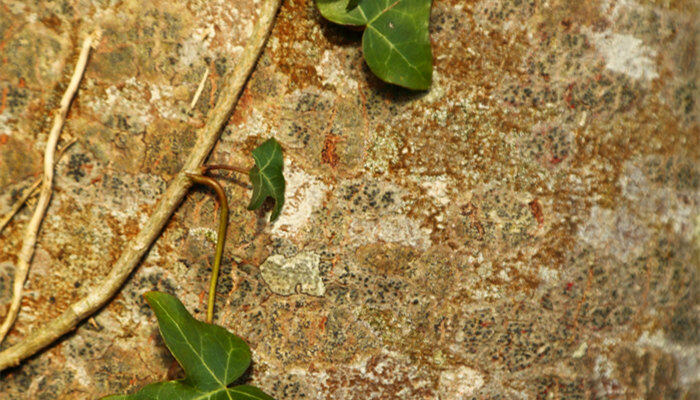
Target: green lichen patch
{"points": [[298, 274]]}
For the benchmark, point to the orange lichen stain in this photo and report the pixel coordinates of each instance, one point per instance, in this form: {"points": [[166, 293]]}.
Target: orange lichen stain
{"points": [[213, 78], [568, 96], [243, 108], [585, 13], [125, 228], [4, 138], [292, 29], [3, 99], [536, 210], [52, 22], [556, 160], [329, 153]]}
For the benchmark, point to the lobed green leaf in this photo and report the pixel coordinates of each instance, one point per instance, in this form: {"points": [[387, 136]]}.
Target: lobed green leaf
{"points": [[266, 177], [211, 357], [396, 41]]}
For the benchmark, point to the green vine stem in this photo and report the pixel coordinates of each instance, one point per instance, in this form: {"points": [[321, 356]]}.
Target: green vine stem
{"points": [[220, 237]]}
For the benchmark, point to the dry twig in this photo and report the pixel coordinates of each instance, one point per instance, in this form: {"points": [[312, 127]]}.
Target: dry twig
{"points": [[30, 191], [176, 191], [26, 194], [200, 89], [30, 235]]}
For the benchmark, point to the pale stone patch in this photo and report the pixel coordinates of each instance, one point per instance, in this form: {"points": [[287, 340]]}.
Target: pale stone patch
{"points": [[547, 274], [299, 274], [386, 369], [128, 100], [391, 229], [458, 383], [332, 72], [489, 293], [438, 190], [603, 372], [437, 89], [163, 99], [615, 232], [687, 356], [194, 46], [663, 200], [256, 124], [303, 194], [580, 351], [619, 231], [79, 371], [626, 54], [5, 123]]}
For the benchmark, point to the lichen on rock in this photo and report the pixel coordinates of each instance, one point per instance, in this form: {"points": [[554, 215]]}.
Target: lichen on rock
{"points": [[298, 274], [529, 227]]}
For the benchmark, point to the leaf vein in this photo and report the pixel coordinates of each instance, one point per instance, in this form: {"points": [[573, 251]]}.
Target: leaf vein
{"points": [[391, 45], [165, 310]]}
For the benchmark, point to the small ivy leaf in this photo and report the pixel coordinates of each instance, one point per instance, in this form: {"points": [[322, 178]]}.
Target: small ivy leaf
{"points": [[396, 41], [266, 177], [211, 357]]}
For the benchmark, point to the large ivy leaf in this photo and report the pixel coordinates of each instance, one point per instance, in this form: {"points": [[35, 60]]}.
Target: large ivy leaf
{"points": [[396, 41], [266, 176], [211, 357]]}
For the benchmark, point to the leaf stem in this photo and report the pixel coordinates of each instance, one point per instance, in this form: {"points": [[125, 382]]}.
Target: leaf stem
{"points": [[220, 237]]}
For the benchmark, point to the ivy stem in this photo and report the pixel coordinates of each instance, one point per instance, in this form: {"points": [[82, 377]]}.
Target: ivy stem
{"points": [[235, 168], [220, 238]]}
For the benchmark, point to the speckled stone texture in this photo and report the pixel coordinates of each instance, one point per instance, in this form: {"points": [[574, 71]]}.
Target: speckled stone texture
{"points": [[529, 228]]}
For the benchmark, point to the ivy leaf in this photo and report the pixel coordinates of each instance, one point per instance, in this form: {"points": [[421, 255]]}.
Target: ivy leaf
{"points": [[396, 41], [266, 176], [352, 4], [211, 357]]}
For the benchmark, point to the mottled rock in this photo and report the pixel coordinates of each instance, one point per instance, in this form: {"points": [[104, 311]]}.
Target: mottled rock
{"points": [[527, 228]]}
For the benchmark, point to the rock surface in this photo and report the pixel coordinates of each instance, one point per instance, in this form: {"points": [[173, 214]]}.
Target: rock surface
{"points": [[529, 228]]}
